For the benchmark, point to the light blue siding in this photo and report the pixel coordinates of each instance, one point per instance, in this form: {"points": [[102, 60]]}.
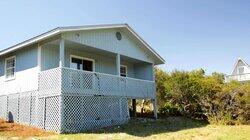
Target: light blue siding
{"points": [[130, 68], [103, 64], [26, 72], [1, 67], [50, 57], [26, 58], [106, 40], [144, 71]]}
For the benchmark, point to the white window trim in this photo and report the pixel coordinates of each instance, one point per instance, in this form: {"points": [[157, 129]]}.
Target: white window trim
{"points": [[83, 58], [238, 71], [5, 69], [125, 68]]}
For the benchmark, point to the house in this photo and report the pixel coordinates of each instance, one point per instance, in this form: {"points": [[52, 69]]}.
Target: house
{"points": [[241, 72], [72, 79]]}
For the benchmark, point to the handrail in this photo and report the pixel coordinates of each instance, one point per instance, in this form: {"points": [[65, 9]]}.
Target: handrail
{"points": [[108, 74], [118, 86], [237, 74]]}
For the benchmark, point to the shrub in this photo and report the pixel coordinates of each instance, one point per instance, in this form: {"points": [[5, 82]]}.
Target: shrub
{"points": [[196, 95]]}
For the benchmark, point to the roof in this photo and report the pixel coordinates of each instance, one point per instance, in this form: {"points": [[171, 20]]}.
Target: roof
{"points": [[60, 30], [238, 60]]}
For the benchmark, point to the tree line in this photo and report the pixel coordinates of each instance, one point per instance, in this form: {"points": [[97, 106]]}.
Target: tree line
{"points": [[197, 95]]}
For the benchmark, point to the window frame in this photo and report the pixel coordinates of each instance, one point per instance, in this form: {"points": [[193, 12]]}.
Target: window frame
{"points": [[5, 68], [83, 58], [240, 67], [126, 69]]}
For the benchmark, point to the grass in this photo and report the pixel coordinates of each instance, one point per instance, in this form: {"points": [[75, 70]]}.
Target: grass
{"points": [[171, 128]]}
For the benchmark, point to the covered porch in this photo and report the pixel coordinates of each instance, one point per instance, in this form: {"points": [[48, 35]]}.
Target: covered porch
{"points": [[76, 69]]}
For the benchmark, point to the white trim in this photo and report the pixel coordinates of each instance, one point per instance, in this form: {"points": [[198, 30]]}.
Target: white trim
{"points": [[39, 57], [126, 68], [236, 63], [61, 53], [5, 69], [83, 58], [238, 71], [118, 64], [104, 74], [144, 43], [30, 41], [59, 30]]}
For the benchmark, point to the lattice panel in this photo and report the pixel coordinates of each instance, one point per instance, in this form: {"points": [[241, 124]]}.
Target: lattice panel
{"points": [[40, 112], [92, 83], [33, 109], [13, 110], [3, 106], [89, 112], [50, 81], [52, 113], [78, 82], [24, 108], [20, 107]]}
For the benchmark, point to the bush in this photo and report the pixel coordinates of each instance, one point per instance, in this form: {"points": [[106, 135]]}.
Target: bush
{"points": [[196, 95]]}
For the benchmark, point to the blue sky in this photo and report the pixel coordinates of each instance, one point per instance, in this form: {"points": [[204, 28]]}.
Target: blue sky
{"points": [[209, 34]]}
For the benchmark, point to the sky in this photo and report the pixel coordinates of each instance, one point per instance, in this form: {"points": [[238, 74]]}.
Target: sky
{"points": [[188, 34]]}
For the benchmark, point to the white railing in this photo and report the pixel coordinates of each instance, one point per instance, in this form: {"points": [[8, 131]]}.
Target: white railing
{"points": [[238, 77], [94, 83]]}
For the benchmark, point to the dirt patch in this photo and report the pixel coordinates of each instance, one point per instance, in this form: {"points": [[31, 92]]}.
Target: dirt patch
{"points": [[17, 130]]}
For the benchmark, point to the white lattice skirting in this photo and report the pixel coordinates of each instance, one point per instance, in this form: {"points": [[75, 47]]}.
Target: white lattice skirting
{"points": [[89, 112], [71, 101], [64, 113], [19, 108]]}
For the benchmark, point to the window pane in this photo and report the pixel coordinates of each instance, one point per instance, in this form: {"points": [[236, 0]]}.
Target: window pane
{"points": [[123, 71], [241, 70], [10, 73], [10, 63], [87, 65], [76, 63], [10, 68]]}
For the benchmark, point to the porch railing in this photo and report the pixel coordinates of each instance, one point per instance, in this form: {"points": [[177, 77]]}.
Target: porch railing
{"points": [[238, 77], [78, 82]]}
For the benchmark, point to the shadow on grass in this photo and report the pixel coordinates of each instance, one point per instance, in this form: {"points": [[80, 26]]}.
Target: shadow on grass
{"points": [[147, 127]]}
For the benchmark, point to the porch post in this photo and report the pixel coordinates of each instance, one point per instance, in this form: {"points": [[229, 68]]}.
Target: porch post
{"points": [[61, 51], [39, 57], [155, 108], [154, 100], [118, 63], [153, 72], [134, 107]]}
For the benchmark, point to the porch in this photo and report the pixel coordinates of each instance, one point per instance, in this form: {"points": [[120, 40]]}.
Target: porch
{"points": [[238, 77], [73, 68], [79, 82]]}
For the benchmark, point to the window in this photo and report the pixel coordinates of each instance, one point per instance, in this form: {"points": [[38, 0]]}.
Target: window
{"points": [[10, 64], [82, 80], [241, 70], [123, 71], [82, 63], [118, 36]]}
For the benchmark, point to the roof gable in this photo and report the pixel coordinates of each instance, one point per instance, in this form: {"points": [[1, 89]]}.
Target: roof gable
{"points": [[239, 62], [60, 30]]}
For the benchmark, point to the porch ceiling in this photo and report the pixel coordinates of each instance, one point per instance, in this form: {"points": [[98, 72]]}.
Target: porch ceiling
{"points": [[81, 47]]}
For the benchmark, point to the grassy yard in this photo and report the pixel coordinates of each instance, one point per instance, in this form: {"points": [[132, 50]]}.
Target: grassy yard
{"points": [[171, 128]]}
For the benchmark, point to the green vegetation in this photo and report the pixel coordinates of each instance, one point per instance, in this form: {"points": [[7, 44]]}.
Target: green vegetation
{"points": [[196, 95], [171, 128], [168, 128], [192, 105]]}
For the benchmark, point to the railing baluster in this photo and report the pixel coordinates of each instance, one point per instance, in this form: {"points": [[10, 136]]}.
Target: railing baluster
{"points": [[85, 82]]}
